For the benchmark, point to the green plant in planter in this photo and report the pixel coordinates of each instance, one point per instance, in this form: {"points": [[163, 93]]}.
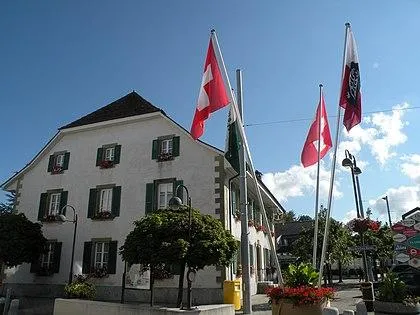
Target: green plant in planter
{"points": [[80, 288], [302, 274], [392, 289]]}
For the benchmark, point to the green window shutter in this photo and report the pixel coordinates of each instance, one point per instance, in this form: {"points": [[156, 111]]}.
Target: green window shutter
{"points": [[35, 265], [117, 154], [112, 257], [63, 202], [150, 196], [155, 147], [66, 161], [42, 206], [99, 156], [116, 201], [180, 191], [92, 202], [50, 163], [175, 146], [57, 256], [87, 257]]}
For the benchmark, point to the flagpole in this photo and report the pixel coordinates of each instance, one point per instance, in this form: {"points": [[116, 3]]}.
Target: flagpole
{"points": [[330, 193], [243, 137], [245, 261], [314, 253]]}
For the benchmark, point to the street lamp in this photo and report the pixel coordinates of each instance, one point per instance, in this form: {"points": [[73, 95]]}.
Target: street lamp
{"points": [[63, 218], [389, 213], [175, 203], [350, 161]]}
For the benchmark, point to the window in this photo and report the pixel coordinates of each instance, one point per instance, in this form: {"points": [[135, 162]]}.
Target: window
{"points": [[104, 202], [101, 254], [58, 162], [160, 192], [48, 263], [52, 204], [47, 258], [165, 148], [100, 257], [165, 194], [108, 155]]}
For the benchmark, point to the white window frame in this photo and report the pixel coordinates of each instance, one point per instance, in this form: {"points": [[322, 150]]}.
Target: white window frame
{"points": [[101, 254], [54, 203], [165, 193], [47, 258], [166, 146], [105, 200], [109, 154], [59, 160]]}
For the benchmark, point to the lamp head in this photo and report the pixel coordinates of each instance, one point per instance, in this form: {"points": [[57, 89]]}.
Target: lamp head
{"points": [[61, 218], [347, 162], [175, 203], [357, 171]]}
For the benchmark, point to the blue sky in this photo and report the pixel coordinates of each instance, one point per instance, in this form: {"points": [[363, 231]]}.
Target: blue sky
{"points": [[61, 60]]}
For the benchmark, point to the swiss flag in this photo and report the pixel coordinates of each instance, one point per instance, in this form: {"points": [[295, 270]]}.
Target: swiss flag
{"points": [[213, 95], [310, 149], [351, 98]]}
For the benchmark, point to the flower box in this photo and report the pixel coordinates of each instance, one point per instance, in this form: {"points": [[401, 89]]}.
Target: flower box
{"points": [[44, 272], [103, 215], [382, 308], [106, 164], [98, 272], [165, 157], [57, 170], [50, 218]]}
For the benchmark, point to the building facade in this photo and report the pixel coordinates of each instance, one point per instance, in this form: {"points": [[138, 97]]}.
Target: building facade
{"points": [[113, 167]]}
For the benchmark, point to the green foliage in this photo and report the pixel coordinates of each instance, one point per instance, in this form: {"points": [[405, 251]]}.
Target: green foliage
{"points": [[301, 275], [7, 207], [338, 243], [392, 289], [20, 240], [289, 216], [80, 289], [162, 238], [382, 239]]}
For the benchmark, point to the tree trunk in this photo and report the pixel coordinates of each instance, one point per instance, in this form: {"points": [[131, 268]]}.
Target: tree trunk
{"points": [[340, 271], [181, 284], [152, 285]]}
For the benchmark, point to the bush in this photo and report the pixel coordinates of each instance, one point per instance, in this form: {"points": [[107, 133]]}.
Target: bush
{"points": [[392, 289], [80, 289]]}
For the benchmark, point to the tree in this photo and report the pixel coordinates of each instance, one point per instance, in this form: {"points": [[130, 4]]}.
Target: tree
{"points": [[289, 216], [304, 218], [8, 206], [20, 240], [338, 243], [162, 238]]}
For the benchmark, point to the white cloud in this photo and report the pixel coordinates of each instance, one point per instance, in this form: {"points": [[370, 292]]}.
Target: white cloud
{"points": [[400, 199], [297, 181], [382, 136], [411, 167]]}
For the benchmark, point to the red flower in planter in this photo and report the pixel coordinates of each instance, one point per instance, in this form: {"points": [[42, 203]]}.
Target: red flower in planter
{"points": [[361, 225], [56, 170]]}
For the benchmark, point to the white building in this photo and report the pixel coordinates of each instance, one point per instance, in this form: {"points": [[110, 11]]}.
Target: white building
{"points": [[114, 166]]}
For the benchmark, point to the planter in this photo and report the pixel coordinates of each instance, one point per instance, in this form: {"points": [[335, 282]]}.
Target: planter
{"points": [[390, 308], [286, 308]]}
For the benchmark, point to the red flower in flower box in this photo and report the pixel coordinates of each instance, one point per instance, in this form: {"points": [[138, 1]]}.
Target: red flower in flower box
{"points": [[56, 169], [106, 164]]}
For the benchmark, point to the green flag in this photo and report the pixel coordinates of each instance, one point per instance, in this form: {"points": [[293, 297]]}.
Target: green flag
{"points": [[232, 141]]}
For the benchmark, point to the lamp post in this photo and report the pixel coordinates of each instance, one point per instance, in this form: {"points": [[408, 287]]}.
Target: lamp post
{"points": [[350, 161], [389, 212], [62, 218], [175, 203]]}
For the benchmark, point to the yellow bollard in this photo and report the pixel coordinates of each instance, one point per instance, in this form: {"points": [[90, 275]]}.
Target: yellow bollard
{"points": [[232, 293]]}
